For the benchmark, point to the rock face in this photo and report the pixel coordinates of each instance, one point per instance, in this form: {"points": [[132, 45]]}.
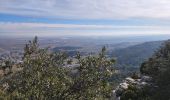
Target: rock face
{"points": [[138, 82]]}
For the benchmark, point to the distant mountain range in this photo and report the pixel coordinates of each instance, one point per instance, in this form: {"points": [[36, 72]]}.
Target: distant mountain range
{"points": [[133, 56]]}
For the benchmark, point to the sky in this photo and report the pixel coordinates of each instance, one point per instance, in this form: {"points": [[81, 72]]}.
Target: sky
{"points": [[84, 17]]}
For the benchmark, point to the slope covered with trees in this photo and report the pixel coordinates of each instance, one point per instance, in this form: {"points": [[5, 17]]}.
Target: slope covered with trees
{"points": [[133, 56], [157, 67]]}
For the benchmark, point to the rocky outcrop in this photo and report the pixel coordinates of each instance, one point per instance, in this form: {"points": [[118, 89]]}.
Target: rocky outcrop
{"points": [[139, 82]]}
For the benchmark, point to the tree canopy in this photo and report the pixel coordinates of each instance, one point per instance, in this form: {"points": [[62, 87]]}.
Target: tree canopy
{"points": [[45, 75], [158, 67]]}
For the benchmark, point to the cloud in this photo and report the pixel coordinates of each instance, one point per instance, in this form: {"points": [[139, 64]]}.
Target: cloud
{"points": [[41, 29], [88, 9]]}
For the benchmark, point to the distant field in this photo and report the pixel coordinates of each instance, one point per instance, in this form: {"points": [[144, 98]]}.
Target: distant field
{"points": [[66, 48], [1, 50]]}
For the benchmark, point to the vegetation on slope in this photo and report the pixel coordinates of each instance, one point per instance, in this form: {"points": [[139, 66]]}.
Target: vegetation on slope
{"points": [[133, 56], [157, 67]]}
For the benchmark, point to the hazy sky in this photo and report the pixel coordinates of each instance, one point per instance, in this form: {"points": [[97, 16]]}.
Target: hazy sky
{"points": [[84, 17]]}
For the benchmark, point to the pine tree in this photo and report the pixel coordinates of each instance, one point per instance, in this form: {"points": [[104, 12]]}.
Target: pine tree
{"points": [[44, 76]]}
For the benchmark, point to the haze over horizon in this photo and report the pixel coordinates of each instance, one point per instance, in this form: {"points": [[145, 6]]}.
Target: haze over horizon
{"points": [[84, 18]]}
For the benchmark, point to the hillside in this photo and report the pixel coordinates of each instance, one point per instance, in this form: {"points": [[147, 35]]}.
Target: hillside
{"points": [[133, 56], [128, 54]]}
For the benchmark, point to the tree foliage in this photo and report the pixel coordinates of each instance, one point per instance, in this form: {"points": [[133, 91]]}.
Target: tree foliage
{"points": [[158, 67], [44, 75]]}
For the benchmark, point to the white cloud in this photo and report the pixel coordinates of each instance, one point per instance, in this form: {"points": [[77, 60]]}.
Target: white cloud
{"points": [[41, 29], [88, 9]]}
